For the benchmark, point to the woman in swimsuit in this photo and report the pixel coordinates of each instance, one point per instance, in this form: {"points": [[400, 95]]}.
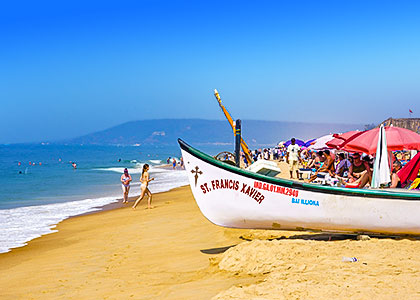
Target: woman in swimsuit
{"points": [[359, 173], [144, 179], [125, 180], [359, 168]]}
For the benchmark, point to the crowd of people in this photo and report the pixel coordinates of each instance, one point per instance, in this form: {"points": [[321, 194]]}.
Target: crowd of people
{"points": [[173, 162], [352, 170]]}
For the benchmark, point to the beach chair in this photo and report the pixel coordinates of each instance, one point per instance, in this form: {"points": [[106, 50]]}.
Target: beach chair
{"points": [[325, 178], [322, 178], [304, 173]]}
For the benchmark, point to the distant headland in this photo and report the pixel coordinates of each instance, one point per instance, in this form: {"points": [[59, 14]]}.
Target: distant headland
{"points": [[199, 131]]}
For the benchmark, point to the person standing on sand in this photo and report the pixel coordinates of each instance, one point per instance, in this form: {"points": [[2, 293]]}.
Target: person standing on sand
{"points": [[174, 163], [125, 180], [293, 157], [144, 179]]}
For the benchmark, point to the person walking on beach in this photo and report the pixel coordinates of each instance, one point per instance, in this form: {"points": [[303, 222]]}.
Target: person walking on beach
{"points": [[293, 157], [144, 179], [125, 180]]}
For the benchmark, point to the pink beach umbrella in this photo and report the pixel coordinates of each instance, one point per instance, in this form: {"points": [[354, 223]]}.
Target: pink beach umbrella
{"points": [[397, 139], [340, 139], [320, 143]]}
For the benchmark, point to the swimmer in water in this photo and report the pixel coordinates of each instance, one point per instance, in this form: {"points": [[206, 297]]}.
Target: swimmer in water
{"points": [[144, 179]]}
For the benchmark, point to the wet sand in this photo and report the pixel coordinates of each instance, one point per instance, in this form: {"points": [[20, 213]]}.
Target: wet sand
{"points": [[173, 252]]}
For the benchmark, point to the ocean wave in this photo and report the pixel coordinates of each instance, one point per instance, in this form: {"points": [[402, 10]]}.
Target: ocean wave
{"points": [[22, 224], [155, 161], [166, 180], [121, 170], [136, 170]]}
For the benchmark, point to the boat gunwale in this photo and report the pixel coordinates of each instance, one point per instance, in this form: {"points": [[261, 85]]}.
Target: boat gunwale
{"points": [[408, 196]]}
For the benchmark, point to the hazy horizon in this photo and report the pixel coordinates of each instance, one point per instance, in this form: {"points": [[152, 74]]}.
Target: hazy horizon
{"points": [[224, 129], [69, 69]]}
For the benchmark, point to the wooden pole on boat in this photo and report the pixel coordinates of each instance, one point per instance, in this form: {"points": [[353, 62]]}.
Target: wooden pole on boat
{"points": [[244, 146], [238, 143]]}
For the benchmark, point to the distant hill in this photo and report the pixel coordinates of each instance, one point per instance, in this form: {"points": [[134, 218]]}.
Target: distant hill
{"points": [[197, 131]]}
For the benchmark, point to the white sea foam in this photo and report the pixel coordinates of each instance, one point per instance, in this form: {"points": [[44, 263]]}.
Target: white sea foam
{"points": [[155, 161], [20, 225], [166, 180], [136, 170], [121, 170]]}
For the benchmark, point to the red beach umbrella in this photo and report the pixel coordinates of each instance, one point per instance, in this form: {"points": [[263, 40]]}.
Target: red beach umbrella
{"points": [[410, 170], [340, 139], [397, 139]]}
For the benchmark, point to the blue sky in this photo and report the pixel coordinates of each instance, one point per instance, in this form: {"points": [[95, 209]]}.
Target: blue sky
{"points": [[69, 68]]}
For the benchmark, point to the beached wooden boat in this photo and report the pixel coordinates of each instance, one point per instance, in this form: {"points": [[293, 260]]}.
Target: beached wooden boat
{"points": [[232, 197]]}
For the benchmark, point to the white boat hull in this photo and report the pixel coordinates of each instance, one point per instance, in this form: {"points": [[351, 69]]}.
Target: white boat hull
{"points": [[231, 197]]}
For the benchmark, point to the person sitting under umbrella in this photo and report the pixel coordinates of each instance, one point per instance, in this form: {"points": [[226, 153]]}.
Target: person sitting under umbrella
{"points": [[319, 160], [395, 179], [360, 173], [358, 168], [343, 165], [311, 161], [327, 167]]}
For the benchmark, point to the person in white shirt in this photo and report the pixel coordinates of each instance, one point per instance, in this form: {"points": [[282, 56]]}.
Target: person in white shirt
{"points": [[293, 157]]}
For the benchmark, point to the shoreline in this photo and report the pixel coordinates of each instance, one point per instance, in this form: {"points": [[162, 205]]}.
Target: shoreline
{"points": [[98, 209], [119, 204], [24, 223]]}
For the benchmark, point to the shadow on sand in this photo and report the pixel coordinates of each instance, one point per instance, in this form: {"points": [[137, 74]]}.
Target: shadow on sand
{"points": [[325, 237]]}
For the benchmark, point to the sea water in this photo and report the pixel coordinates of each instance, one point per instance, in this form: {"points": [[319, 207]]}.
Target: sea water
{"points": [[39, 187]]}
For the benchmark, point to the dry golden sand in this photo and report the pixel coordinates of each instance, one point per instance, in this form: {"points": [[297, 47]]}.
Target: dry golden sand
{"points": [[155, 254], [307, 269]]}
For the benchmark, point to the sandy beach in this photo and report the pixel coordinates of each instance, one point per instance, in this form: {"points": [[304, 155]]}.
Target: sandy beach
{"points": [[173, 252], [104, 101]]}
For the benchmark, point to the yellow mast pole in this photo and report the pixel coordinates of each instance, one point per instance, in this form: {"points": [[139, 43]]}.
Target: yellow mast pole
{"points": [[244, 146]]}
